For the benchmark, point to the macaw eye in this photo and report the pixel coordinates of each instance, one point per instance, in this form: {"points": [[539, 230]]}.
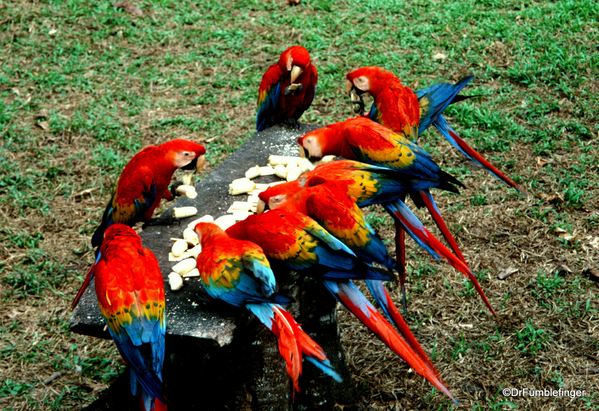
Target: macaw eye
{"points": [[186, 154]]}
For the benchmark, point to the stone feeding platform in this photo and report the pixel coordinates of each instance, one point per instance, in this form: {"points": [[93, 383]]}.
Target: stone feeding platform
{"points": [[218, 356]]}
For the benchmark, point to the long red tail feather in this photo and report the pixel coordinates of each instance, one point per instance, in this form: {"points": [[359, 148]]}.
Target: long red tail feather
{"points": [[454, 261]]}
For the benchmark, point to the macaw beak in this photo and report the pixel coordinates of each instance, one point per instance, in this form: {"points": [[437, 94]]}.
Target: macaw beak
{"points": [[302, 151], [295, 73], [348, 86], [356, 97], [261, 207], [196, 164]]}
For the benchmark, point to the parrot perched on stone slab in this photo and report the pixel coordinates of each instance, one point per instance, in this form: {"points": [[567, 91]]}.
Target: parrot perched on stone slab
{"points": [[400, 109], [367, 185], [301, 244], [287, 89], [239, 273], [142, 185], [130, 291]]}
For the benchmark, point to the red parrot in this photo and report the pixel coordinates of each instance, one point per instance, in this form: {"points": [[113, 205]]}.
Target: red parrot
{"points": [[301, 244], [143, 184], [366, 185], [403, 111], [239, 273], [364, 140], [130, 292], [287, 89]]}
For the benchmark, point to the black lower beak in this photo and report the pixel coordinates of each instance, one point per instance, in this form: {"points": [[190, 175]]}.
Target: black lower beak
{"points": [[191, 166]]}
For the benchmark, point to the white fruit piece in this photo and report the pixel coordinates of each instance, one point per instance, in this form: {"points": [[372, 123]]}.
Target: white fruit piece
{"points": [[294, 174], [281, 171], [305, 165], [325, 159], [225, 221], [205, 219], [186, 179], [179, 247], [187, 191], [241, 186], [194, 252], [175, 281], [183, 256], [193, 273], [267, 171], [182, 212], [253, 172], [184, 266], [284, 160], [238, 206], [190, 236]]}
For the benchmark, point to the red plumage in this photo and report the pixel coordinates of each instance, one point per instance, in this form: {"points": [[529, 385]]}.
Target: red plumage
{"points": [[277, 101]]}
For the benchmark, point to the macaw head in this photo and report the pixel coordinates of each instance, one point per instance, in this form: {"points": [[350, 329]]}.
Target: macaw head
{"points": [[185, 154], [294, 61], [313, 143], [120, 230], [371, 80], [274, 196], [208, 233]]}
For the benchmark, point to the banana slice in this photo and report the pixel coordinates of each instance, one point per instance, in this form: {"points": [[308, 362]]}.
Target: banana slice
{"points": [[184, 266], [187, 191], [193, 273], [190, 236], [182, 212], [175, 281], [241, 186], [179, 247], [253, 172], [284, 160], [225, 221], [294, 174], [281, 171]]}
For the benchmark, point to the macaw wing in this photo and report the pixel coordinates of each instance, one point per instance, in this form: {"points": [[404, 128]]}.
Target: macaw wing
{"points": [[255, 261], [341, 218], [387, 149], [135, 318], [268, 96], [434, 100], [225, 277], [129, 203], [309, 95]]}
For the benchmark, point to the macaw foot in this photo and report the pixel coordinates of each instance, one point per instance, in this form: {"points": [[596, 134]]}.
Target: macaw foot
{"points": [[161, 221], [292, 123], [174, 186], [293, 88]]}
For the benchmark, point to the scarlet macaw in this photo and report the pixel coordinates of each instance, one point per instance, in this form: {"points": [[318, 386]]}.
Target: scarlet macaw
{"points": [[142, 185], [130, 291], [287, 89], [403, 111], [364, 140], [301, 244], [367, 185], [239, 273]]}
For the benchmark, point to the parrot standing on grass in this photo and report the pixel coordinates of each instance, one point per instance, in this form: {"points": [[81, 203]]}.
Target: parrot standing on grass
{"points": [[287, 89], [403, 111], [142, 185], [299, 243], [364, 140], [130, 292], [239, 273]]}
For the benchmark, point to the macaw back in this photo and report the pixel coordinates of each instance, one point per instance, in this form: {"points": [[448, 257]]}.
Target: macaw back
{"points": [[130, 291]]}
